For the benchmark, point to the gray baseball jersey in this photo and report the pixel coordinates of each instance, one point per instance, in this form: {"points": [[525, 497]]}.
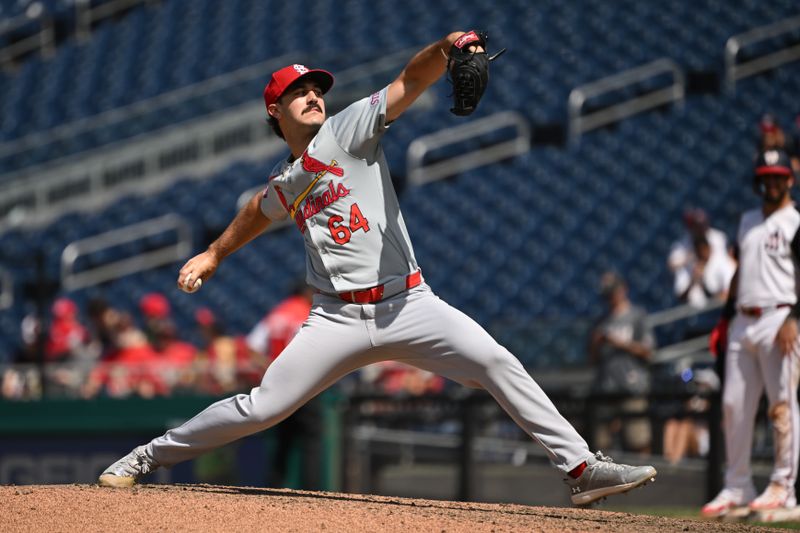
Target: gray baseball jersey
{"points": [[340, 195]]}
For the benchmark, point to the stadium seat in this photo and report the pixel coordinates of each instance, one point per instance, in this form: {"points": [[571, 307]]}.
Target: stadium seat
{"points": [[525, 238]]}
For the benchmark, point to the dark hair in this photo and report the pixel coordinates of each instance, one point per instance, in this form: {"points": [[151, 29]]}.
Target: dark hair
{"points": [[96, 306], [273, 123], [611, 281]]}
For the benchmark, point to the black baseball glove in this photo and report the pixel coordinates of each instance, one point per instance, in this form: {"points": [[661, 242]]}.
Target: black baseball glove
{"points": [[469, 71]]}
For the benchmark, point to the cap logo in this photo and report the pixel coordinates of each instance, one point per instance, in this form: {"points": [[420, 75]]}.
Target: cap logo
{"points": [[300, 69], [771, 157]]}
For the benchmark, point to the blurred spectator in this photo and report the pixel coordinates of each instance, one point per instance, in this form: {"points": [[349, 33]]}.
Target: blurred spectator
{"points": [[697, 226], [395, 378], [156, 314], [794, 153], [107, 330], [66, 337], [621, 345], [688, 436], [134, 371], [129, 364], [162, 333], [30, 329], [19, 383], [772, 136], [705, 277], [272, 334], [224, 360]]}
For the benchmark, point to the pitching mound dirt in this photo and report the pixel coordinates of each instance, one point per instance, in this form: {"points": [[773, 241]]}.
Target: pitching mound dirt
{"points": [[88, 508]]}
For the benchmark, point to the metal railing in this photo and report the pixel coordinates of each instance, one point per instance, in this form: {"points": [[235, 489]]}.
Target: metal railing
{"points": [[580, 123], [142, 166], [378, 424], [138, 110], [164, 255], [86, 15], [735, 71], [420, 173], [153, 160], [42, 40], [696, 348], [199, 90], [667, 316]]}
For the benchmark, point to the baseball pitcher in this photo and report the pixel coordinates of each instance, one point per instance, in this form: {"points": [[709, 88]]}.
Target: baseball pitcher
{"points": [[372, 303], [762, 346]]}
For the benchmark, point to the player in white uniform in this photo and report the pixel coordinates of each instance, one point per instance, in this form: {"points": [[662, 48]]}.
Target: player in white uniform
{"points": [[762, 351], [372, 303]]}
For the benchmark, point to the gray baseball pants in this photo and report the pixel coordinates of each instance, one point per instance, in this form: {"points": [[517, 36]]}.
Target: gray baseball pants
{"points": [[414, 327]]}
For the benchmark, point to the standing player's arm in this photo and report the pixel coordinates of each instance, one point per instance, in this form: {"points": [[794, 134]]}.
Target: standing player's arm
{"points": [[422, 71], [786, 339], [248, 224]]}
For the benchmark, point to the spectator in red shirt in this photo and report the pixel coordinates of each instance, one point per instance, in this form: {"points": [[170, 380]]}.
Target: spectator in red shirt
{"points": [[130, 365], [272, 334], [161, 332], [67, 336]]}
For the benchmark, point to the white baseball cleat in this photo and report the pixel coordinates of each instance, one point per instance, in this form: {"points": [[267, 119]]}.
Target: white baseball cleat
{"points": [[127, 470], [775, 496], [726, 501], [603, 477]]}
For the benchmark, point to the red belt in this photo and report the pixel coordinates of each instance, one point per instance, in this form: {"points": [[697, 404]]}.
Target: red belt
{"points": [[758, 311], [376, 294]]}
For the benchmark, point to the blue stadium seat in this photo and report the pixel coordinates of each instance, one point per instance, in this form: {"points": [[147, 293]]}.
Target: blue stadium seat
{"points": [[526, 238], [161, 47]]}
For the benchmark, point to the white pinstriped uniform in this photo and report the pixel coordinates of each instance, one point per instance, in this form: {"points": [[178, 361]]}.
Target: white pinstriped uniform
{"points": [[767, 278]]}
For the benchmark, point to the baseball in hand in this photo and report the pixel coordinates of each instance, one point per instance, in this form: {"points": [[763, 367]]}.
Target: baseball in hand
{"points": [[194, 287]]}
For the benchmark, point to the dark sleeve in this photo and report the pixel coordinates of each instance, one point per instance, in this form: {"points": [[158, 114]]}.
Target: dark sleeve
{"points": [[795, 247], [729, 310]]}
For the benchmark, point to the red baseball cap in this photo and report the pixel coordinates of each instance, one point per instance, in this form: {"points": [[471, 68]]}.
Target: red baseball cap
{"points": [[774, 162], [64, 308], [204, 316], [281, 79], [154, 305]]}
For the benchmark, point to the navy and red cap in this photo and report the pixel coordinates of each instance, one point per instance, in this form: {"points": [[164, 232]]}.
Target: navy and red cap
{"points": [[768, 124], [283, 78], [773, 162]]}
